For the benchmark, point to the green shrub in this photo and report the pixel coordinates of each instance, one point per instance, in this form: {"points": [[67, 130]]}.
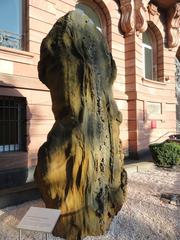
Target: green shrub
{"points": [[166, 154]]}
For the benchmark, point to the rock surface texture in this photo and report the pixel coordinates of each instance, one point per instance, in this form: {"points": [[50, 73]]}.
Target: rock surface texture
{"points": [[80, 167]]}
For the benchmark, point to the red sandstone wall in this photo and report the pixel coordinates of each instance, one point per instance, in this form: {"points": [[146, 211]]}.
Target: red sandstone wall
{"points": [[141, 92], [21, 78], [130, 91]]}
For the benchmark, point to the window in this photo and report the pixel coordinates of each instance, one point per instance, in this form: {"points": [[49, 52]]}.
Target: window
{"points": [[177, 62], [91, 14], [11, 27], [149, 55], [177, 76], [12, 124]]}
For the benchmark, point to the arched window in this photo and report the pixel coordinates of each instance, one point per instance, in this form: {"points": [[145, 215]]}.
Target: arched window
{"points": [[91, 14], [177, 62], [149, 55]]}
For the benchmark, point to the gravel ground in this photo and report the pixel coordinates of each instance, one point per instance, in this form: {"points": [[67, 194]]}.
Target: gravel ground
{"points": [[143, 217]]}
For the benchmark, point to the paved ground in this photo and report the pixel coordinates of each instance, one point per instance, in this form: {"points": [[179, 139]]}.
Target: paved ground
{"points": [[143, 217]]}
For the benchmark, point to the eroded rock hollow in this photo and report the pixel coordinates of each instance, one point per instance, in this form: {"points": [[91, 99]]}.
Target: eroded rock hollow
{"points": [[80, 166]]}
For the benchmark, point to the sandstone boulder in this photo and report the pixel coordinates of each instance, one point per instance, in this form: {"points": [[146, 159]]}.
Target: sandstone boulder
{"points": [[80, 166]]}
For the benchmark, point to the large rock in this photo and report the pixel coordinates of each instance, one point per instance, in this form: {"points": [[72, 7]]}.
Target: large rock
{"points": [[80, 167]]}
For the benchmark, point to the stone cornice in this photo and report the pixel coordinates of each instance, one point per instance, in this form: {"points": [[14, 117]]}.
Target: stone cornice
{"points": [[153, 11], [127, 16], [141, 16], [173, 26], [135, 15]]}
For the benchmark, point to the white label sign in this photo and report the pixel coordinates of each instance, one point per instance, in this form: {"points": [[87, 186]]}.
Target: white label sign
{"points": [[39, 219]]}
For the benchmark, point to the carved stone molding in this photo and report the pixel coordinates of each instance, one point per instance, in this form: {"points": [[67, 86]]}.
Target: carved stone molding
{"points": [[127, 16], [173, 26], [141, 16], [133, 16], [153, 11]]}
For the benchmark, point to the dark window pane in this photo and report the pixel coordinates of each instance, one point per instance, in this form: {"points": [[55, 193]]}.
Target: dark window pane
{"points": [[6, 103], [13, 114], [11, 16], [148, 63], [11, 103], [147, 38], [11, 23], [12, 124], [6, 114], [1, 113], [148, 45], [90, 13], [14, 133], [2, 133], [6, 131]]}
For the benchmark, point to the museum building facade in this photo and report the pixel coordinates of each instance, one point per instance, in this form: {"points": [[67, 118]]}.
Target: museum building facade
{"points": [[143, 37]]}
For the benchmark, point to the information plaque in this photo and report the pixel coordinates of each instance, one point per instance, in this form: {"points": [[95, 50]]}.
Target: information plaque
{"points": [[39, 219]]}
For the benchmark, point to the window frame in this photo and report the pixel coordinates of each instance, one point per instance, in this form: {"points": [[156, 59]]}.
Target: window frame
{"points": [[20, 106], [95, 14], [154, 54], [145, 46], [22, 36]]}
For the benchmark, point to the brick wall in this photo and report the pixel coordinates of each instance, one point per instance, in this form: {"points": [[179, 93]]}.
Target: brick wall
{"points": [[19, 77]]}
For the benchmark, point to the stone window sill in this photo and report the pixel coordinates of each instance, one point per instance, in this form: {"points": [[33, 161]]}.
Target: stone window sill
{"points": [[154, 83], [16, 55]]}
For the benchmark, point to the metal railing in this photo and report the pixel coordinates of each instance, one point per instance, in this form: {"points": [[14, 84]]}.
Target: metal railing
{"points": [[12, 124], [10, 40]]}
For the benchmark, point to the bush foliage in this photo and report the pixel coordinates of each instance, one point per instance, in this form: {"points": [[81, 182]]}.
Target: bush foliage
{"points": [[166, 154]]}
